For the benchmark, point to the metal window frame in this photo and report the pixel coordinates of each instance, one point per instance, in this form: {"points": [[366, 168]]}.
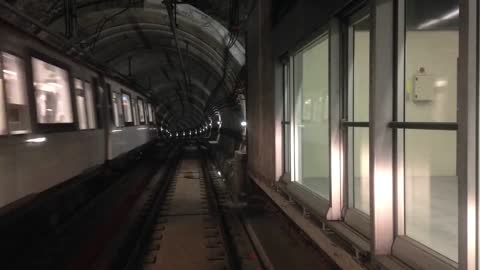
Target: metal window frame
{"points": [[352, 216], [404, 247]]}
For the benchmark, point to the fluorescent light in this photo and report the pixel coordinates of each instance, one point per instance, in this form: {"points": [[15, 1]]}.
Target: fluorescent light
{"points": [[143, 128], [36, 140], [450, 15], [243, 123], [116, 130], [219, 173]]}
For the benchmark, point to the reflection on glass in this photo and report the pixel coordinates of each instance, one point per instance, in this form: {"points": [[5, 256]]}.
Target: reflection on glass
{"points": [[18, 112], [81, 104], [92, 121], [52, 93], [431, 185], [311, 118], [141, 111], [361, 169], [127, 108]]}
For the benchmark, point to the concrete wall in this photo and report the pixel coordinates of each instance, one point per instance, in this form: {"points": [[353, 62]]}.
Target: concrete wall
{"points": [[261, 95]]}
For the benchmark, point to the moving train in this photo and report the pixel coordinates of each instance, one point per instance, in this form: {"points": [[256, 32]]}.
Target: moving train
{"points": [[60, 117]]}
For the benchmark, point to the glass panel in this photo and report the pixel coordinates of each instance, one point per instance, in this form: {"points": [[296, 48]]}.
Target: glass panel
{"points": [[81, 104], [431, 44], [431, 184], [127, 108], [361, 169], [311, 118], [141, 111], [116, 109], [52, 93], [92, 121], [16, 94], [361, 70]]}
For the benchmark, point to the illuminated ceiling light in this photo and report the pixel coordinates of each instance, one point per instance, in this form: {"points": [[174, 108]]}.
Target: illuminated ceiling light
{"points": [[449, 16], [219, 173], [243, 123], [36, 140], [116, 130]]}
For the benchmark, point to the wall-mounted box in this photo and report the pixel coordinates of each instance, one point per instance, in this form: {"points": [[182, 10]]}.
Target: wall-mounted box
{"points": [[423, 87]]}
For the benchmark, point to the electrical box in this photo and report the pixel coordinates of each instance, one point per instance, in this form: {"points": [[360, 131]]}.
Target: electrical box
{"points": [[423, 88]]}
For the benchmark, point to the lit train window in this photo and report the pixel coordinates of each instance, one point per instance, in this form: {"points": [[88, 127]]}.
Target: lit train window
{"points": [[150, 113], [135, 113], [52, 93], [92, 121], [116, 109], [141, 111], [17, 110], [127, 108], [81, 104]]}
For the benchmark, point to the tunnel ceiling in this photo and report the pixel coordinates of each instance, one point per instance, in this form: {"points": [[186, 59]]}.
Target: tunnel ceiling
{"points": [[189, 74]]}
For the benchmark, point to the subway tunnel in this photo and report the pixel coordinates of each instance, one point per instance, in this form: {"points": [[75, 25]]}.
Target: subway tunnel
{"points": [[239, 134]]}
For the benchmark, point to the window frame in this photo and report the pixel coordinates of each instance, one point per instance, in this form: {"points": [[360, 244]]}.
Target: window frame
{"points": [[406, 248], [352, 216], [49, 128], [322, 205], [126, 93]]}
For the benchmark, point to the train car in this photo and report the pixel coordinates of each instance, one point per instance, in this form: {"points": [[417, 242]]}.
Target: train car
{"points": [[59, 117]]}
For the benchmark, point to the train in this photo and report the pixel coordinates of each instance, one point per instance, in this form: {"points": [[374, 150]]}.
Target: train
{"points": [[61, 117]]}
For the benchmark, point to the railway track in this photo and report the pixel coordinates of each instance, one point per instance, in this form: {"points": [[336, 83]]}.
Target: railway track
{"points": [[191, 228]]}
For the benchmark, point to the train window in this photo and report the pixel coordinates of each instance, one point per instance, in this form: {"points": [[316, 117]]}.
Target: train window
{"points": [[81, 104], [135, 113], [116, 109], [92, 121], [141, 111], [17, 109], [52, 93], [150, 113], [127, 108]]}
